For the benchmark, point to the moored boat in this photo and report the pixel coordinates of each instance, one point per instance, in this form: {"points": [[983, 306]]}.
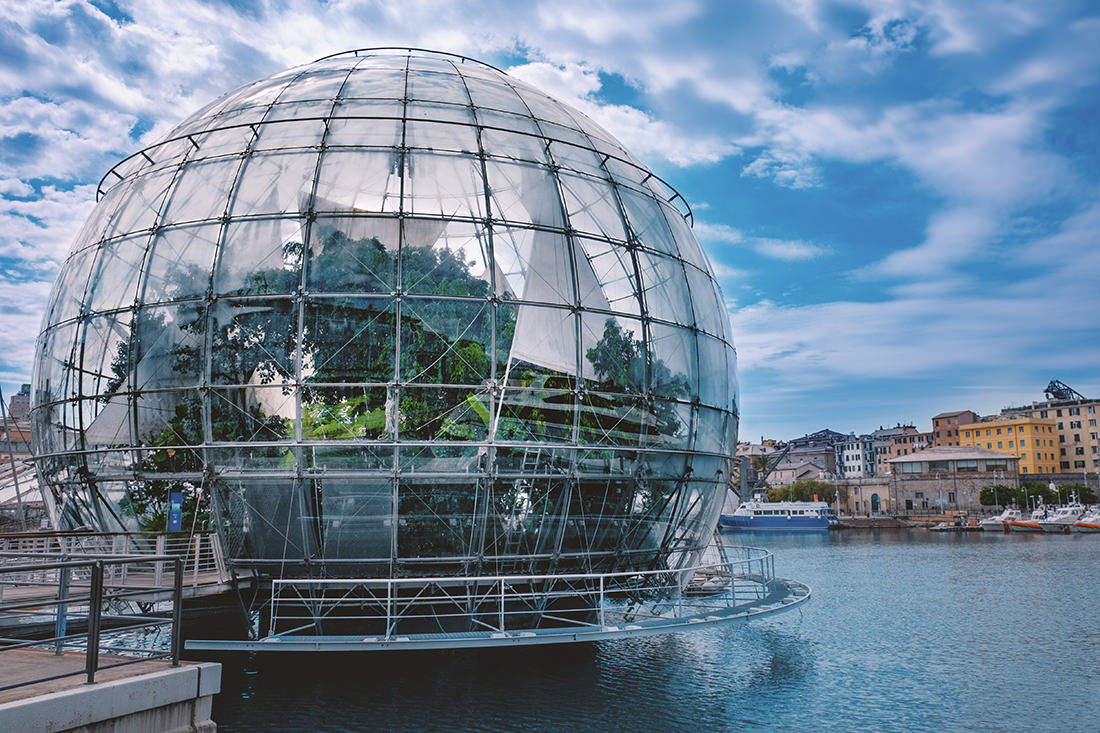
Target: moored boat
{"points": [[1030, 524], [1089, 522], [759, 515], [1000, 522], [1063, 518]]}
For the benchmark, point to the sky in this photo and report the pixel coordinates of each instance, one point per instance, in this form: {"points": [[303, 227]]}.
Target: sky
{"points": [[900, 198]]}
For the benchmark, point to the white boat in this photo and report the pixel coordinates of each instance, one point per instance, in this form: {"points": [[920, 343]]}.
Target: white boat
{"points": [[1090, 522], [1030, 524], [1000, 522], [1063, 518], [760, 515]]}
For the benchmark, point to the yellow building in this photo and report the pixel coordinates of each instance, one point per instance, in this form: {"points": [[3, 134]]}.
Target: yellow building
{"points": [[1033, 440]]}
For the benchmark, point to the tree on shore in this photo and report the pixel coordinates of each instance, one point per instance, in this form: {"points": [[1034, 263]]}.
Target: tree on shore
{"points": [[804, 489], [1025, 494]]}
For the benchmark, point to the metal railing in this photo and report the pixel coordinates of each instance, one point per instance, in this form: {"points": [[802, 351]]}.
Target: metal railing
{"points": [[90, 609], [519, 603], [200, 553]]}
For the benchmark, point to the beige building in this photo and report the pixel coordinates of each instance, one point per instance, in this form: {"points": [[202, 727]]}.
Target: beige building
{"points": [[1077, 447], [948, 478]]}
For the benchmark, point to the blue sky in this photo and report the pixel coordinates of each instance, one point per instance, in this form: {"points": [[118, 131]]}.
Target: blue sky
{"points": [[900, 198]]}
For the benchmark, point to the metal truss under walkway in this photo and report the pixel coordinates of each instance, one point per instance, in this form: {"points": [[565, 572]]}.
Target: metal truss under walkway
{"points": [[512, 610]]}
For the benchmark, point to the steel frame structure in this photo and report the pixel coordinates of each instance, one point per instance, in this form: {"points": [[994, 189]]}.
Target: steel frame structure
{"points": [[391, 314]]}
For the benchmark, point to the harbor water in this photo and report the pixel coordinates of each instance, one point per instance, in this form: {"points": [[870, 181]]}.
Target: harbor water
{"points": [[906, 630]]}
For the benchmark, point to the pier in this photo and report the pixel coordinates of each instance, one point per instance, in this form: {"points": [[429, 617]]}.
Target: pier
{"points": [[92, 642]]}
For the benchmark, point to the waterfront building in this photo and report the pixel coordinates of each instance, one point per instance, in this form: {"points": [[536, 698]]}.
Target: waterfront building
{"points": [[909, 441], [945, 426], [392, 315], [812, 456], [948, 478], [19, 407], [1031, 439], [1076, 435], [855, 457], [883, 445]]}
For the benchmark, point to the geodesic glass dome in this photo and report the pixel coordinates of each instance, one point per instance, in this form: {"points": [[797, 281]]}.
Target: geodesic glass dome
{"points": [[391, 313]]}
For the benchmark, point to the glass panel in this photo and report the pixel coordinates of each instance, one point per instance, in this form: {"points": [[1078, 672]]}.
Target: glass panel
{"points": [[140, 203], [711, 315], [351, 340], [279, 135], [592, 206], [72, 282], [611, 419], [433, 87], [714, 390], [673, 371], [202, 191], [444, 185], [317, 84], [614, 352], [357, 517], [117, 270], [445, 341], [260, 256], [524, 193], [500, 144], [53, 369], [533, 265], [539, 346], [606, 275], [495, 96], [347, 413], [232, 139], [275, 183], [434, 112], [345, 130], [254, 414], [358, 180], [669, 425], [540, 415], [254, 342], [373, 83], [369, 458], [180, 263], [353, 254], [268, 514], [685, 240], [444, 414], [665, 288], [441, 258], [436, 517], [441, 136], [104, 354], [581, 159], [647, 221], [713, 432]]}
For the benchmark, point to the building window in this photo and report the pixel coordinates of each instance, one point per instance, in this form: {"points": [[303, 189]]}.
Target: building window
{"points": [[1043, 413], [966, 466], [1075, 410], [998, 431], [1078, 464], [919, 494], [950, 497]]}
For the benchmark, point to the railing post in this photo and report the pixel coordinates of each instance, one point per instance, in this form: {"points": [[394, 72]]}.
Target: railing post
{"points": [[60, 627], [177, 613], [158, 565], [95, 608], [502, 605], [195, 569], [602, 620], [389, 607]]}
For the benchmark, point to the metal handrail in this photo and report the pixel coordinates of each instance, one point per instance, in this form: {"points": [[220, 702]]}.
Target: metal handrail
{"points": [[94, 574], [489, 602]]}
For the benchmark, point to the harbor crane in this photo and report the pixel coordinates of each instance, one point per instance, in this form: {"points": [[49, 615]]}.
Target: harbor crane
{"points": [[1060, 391]]}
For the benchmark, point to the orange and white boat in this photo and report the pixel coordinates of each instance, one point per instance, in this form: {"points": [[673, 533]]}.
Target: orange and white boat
{"points": [[1030, 524], [1063, 518], [1090, 522]]}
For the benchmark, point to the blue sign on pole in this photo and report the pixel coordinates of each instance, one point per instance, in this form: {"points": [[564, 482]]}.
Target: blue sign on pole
{"points": [[175, 511]]}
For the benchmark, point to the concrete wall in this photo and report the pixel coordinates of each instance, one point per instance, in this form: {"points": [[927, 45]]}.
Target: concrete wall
{"points": [[175, 699]]}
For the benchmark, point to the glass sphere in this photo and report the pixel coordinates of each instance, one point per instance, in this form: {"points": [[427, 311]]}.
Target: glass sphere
{"points": [[391, 312]]}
